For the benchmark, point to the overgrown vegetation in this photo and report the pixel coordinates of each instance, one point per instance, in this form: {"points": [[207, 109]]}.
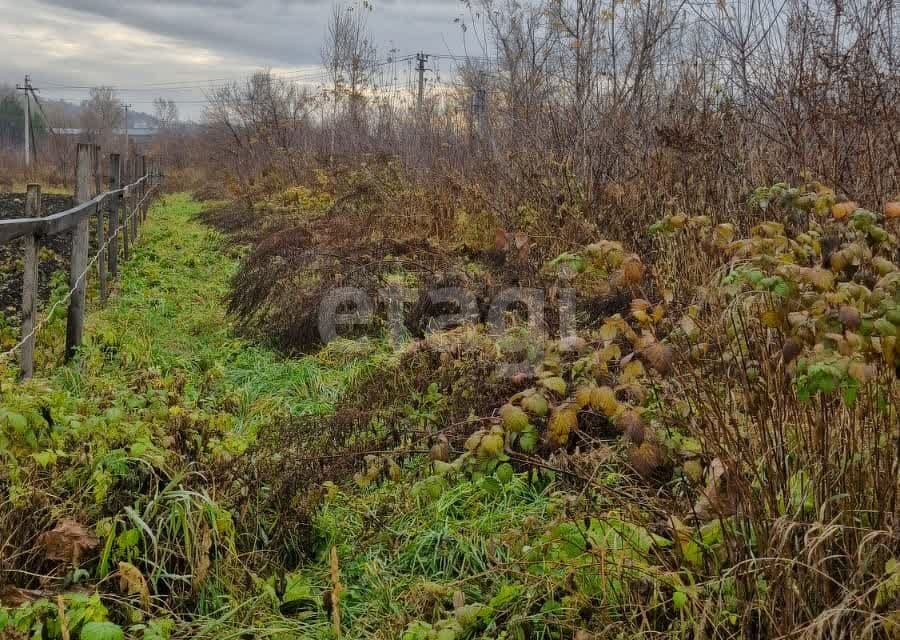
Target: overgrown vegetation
{"points": [[705, 452], [110, 466], [736, 408], [683, 423]]}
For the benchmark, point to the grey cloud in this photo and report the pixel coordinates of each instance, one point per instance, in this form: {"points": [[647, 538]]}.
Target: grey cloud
{"points": [[281, 33], [218, 39]]}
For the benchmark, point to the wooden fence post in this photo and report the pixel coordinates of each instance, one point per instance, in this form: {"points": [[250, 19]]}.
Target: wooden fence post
{"points": [[30, 279], [101, 226], [84, 187], [145, 187], [126, 225], [98, 179], [136, 198], [115, 182]]}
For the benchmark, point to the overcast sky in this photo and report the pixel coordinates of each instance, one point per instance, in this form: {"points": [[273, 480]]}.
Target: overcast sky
{"points": [[174, 46]]}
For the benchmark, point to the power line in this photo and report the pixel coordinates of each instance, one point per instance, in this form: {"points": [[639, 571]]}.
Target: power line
{"points": [[209, 83], [169, 88]]}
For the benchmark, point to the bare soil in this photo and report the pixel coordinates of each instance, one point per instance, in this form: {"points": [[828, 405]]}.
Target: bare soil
{"points": [[12, 205]]}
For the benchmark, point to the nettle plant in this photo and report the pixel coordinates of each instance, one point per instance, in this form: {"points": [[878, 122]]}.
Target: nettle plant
{"points": [[792, 389], [577, 392]]}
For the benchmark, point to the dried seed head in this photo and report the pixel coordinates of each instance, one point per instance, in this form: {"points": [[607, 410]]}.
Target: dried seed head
{"points": [[660, 357], [790, 350], [849, 317], [645, 459]]}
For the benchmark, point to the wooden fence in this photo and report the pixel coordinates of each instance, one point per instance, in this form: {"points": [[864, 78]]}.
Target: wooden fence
{"points": [[118, 212]]}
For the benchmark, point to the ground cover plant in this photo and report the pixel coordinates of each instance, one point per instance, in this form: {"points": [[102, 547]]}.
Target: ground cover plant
{"points": [[697, 438], [111, 459], [735, 410], [712, 460]]}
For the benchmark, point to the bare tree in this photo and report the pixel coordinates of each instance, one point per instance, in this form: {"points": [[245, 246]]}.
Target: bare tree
{"points": [[101, 115], [258, 125], [165, 112], [349, 59]]}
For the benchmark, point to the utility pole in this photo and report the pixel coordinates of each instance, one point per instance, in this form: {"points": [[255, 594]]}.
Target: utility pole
{"points": [[422, 59], [27, 88]]}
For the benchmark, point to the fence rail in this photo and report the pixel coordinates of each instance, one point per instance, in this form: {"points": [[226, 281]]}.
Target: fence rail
{"points": [[58, 222], [110, 226]]}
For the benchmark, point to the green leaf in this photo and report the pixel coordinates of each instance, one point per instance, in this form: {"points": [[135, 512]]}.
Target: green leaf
{"points": [[297, 588], [17, 422], [102, 631], [528, 439], [849, 391], [679, 599], [45, 458], [801, 493], [113, 415], [490, 485], [507, 595], [691, 445], [888, 591], [128, 538], [504, 473]]}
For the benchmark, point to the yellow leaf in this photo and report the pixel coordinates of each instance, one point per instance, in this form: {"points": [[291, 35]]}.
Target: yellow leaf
{"points": [[610, 328], [632, 372], [132, 582]]}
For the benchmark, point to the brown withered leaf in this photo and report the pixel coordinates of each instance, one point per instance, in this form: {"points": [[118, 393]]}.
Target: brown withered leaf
{"points": [[12, 597], [202, 568], [67, 542], [520, 239], [501, 240], [440, 450], [61, 618], [892, 210], [645, 458], [132, 582], [849, 317], [790, 350], [841, 210], [660, 357], [719, 498]]}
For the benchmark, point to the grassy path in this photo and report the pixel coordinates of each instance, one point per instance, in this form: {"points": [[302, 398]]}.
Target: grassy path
{"points": [[162, 387], [113, 441], [141, 446], [167, 319]]}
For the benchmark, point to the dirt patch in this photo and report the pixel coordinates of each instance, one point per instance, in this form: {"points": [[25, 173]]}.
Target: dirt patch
{"points": [[55, 252]]}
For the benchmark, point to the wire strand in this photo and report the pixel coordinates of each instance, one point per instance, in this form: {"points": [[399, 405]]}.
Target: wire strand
{"points": [[49, 315]]}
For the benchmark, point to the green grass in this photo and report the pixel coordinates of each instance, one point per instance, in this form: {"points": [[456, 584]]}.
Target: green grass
{"points": [[162, 392], [168, 318]]}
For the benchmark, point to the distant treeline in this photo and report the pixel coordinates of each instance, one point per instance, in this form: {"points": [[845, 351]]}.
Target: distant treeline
{"points": [[12, 121]]}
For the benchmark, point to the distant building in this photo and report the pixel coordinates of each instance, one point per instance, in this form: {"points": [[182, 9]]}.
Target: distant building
{"points": [[138, 133]]}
